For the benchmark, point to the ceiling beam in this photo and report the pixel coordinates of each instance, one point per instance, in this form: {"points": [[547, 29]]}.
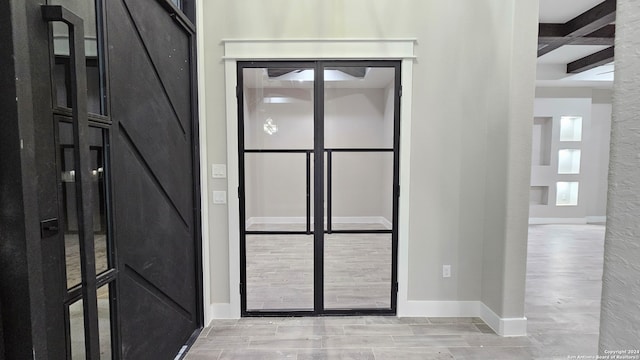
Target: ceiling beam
{"points": [[589, 62], [550, 30], [578, 41], [584, 24], [550, 33]]}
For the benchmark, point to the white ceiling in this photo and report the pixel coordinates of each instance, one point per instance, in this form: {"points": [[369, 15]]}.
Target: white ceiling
{"points": [[569, 53], [552, 66], [561, 11]]}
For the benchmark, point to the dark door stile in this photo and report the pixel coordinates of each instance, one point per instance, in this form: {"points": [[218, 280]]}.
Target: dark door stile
{"points": [[318, 153]]}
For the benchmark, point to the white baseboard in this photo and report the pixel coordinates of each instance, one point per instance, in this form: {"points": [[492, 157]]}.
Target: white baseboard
{"points": [[439, 309], [502, 326], [223, 311], [303, 220], [544, 221], [596, 219]]}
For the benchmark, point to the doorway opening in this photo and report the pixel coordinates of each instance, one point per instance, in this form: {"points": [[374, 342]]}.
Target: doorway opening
{"points": [[318, 149]]}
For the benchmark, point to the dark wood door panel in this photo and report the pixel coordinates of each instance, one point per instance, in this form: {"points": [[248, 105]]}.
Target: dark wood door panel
{"points": [[152, 237], [154, 173], [143, 110], [160, 334], [168, 48]]}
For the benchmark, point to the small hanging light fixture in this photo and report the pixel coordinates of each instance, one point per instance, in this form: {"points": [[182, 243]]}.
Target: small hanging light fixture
{"points": [[270, 127]]}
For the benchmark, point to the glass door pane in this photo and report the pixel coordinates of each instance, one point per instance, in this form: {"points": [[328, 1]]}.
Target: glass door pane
{"points": [[278, 108], [359, 107], [76, 330], [359, 123], [86, 9], [97, 140], [97, 144], [277, 159], [278, 191], [279, 272], [357, 271], [361, 190], [104, 321]]}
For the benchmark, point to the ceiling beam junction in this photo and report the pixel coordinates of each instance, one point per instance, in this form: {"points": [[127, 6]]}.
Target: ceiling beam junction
{"points": [[581, 26]]}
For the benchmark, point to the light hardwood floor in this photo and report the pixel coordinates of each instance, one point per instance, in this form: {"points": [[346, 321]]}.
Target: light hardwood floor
{"points": [[562, 306]]}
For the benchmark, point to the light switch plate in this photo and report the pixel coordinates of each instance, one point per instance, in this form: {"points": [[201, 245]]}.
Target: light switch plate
{"points": [[219, 171], [446, 271], [219, 197]]}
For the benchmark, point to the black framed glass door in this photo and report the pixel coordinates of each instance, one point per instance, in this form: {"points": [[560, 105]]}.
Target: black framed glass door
{"points": [[82, 141], [318, 157]]}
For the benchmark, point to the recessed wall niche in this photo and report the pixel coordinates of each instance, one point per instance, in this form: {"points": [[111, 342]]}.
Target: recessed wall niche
{"points": [[570, 128], [541, 141], [567, 193], [539, 195], [569, 161]]}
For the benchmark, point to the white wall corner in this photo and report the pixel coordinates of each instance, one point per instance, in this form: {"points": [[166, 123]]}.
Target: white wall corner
{"points": [[506, 327], [204, 184]]}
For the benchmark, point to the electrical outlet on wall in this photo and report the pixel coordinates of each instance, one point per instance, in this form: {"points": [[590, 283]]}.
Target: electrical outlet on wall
{"points": [[446, 271]]}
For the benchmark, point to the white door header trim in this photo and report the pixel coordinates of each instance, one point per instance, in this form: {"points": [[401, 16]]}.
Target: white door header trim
{"points": [[318, 49]]}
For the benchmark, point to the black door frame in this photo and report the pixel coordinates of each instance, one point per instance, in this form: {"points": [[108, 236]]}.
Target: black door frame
{"points": [[80, 123], [319, 152]]}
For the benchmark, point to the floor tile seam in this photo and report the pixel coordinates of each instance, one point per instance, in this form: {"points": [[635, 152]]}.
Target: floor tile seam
{"points": [[465, 344], [446, 348], [498, 346], [356, 335], [285, 349], [458, 336], [457, 333], [285, 336], [350, 348]]}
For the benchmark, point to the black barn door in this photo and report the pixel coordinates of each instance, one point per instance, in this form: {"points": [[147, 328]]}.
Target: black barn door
{"points": [[155, 172], [100, 245]]}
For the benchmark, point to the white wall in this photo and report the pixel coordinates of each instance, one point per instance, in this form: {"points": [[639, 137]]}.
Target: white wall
{"points": [[599, 152], [620, 313], [473, 83], [594, 106]]}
